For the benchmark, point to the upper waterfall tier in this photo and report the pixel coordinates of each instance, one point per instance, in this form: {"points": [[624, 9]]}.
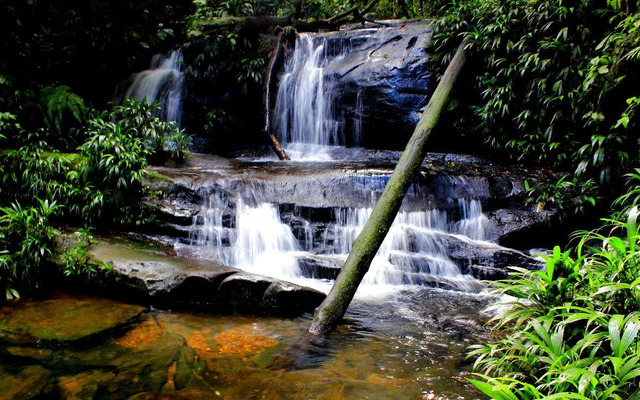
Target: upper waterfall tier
{"points": [[353, 87], [162, 82]]}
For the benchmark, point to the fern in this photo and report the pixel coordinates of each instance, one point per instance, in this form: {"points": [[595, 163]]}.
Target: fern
{"points": [[62, 109]]}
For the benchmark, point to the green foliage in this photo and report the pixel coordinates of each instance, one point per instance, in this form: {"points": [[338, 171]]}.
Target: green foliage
{"points": [[627, 201], [116, 162], [30, 172], [140, 120], [224, 55], [386, 9], [556, 82], [64, 113], [570, 330], [89, 46], [27, 240], [102, 185], [218, 121], [564, 195], [8, 125], [77, 261]]}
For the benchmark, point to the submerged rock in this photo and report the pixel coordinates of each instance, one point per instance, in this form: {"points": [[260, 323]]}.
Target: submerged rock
{"points": [[30, 382], [65, 320]]}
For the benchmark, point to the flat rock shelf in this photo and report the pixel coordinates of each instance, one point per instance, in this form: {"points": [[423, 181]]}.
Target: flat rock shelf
{"points": [[149, 274]]}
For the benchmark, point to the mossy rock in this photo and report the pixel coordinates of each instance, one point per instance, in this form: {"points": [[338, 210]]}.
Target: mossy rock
{"points": [[65, 320]]}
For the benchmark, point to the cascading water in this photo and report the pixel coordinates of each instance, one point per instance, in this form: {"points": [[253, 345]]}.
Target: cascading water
{"points": [[303, 102], [351, 88], [252, 235], [162, 82]]}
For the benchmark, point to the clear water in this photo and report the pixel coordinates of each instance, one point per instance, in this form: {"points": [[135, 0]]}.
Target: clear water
{"points": [[402, 350]]}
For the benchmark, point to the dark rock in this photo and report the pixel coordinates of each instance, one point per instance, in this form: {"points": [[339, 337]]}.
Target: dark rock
{"points": [[381, 79], [487, 273], [505, 223], [468, 253], [319, 267], [244, 291], [290, 299], [151, 276], [257, 294]]}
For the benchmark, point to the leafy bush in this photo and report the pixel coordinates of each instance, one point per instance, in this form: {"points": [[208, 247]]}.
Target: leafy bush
{"points": [[27, 241], [31, 173], [102, 185], [556, 82], [570, 330], [116, 162], [64, 115], [140, 120]]}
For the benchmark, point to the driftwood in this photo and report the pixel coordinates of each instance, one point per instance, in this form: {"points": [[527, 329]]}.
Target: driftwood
{"points": [[333, 308], [264, 23]]}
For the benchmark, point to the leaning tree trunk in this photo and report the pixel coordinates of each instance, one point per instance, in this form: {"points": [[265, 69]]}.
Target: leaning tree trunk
{"points": [[333, 308]]}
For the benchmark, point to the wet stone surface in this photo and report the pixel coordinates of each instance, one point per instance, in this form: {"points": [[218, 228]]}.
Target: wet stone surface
{"points": [[151, 274], [63, 321]]}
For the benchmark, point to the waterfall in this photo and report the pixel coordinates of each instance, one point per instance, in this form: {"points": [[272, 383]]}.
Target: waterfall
{"points": [[303, 113], [162, 82], [258, 240], [255, 240], [415, 249]]}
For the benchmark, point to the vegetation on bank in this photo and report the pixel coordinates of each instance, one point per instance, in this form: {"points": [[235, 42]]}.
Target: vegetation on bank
{"points": [[553, 83], [571, 331], [100, 186]]}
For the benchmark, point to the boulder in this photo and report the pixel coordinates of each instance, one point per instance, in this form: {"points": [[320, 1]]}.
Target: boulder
{"points": [[150, 275], [469, 253], [380, 79]]}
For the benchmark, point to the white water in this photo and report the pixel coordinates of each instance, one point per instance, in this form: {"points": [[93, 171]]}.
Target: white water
{"points": [[259, 243], [414, 249], [162, 82], [413, 253], [303, 111]]}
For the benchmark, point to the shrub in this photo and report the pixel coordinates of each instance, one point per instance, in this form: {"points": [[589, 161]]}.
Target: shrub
{"points": [[77, 261], [555, 82], [570, 330], [27, 241]]}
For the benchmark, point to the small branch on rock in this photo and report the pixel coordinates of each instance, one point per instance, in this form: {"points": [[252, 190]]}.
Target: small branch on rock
{"points": [[274, 62]]}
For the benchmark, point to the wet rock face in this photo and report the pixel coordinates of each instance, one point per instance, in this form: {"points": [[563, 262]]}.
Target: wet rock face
{"points": [[151, 276], [379, 80]]}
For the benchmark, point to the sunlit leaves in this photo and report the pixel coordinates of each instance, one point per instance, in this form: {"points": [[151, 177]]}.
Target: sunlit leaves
{"points": [[572, 329]]}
